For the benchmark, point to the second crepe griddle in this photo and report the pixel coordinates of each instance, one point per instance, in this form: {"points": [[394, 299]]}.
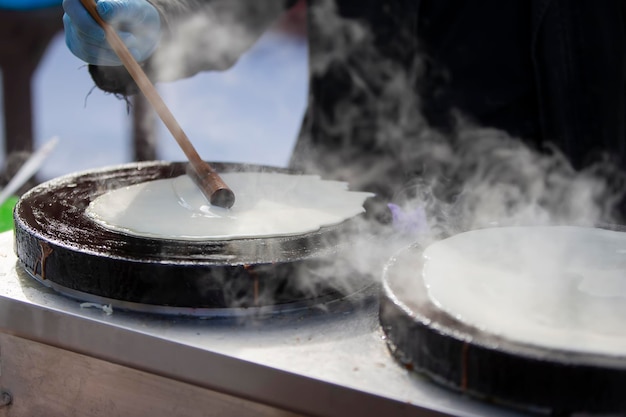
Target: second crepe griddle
{"points": [[482, 364]]}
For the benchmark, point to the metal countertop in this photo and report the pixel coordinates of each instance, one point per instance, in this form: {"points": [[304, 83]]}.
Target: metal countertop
{"points": [[331, 362]]}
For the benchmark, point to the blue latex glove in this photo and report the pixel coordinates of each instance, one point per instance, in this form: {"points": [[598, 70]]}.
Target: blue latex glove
{"points": [[137, 23]]}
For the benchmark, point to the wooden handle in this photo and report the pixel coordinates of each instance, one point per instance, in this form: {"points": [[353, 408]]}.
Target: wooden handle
{"points": [[207, 179]]}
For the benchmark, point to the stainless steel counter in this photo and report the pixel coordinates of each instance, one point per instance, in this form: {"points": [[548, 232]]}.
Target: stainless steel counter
{"points": [[331, 362]]}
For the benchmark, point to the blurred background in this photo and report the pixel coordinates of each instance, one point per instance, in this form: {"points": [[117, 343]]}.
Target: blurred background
{"points": [[250, 113]]}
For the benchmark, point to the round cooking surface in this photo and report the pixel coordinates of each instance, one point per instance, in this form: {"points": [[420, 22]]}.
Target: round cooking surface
{"points": [[428, 336], [62, 247]]}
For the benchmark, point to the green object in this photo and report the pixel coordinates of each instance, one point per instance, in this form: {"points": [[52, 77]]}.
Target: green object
{"points": [[6, 214]]}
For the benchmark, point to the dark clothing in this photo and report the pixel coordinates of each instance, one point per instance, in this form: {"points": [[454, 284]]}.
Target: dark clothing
{"points": [[579, 58], [385, 100], [545, 71]]}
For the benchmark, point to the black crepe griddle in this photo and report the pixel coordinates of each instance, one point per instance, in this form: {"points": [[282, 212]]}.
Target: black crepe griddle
{"points": [[428, 341], [61, 247]]}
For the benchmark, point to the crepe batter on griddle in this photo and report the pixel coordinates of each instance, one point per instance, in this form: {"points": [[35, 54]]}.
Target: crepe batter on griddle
{"points": [[268, 204]]}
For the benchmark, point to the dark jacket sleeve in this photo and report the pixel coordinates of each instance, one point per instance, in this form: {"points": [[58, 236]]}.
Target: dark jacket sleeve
{"points": [[198, 35], [580, 67]]}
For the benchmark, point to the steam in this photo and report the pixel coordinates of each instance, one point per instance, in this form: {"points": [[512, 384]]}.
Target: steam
{"points": [[431, 184], [469, 178], [439, 183]]}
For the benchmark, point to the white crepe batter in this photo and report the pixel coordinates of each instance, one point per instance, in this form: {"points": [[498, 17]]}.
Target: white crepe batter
{"points": [[558, 287], [267, 204]]}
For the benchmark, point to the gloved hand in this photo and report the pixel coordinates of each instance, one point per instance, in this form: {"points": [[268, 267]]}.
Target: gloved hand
{"points": [[137, 23]]}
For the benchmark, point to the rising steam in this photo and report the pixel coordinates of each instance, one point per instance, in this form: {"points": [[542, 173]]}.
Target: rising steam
{"points": [[437, 183], [468, 178], [440, 183]]}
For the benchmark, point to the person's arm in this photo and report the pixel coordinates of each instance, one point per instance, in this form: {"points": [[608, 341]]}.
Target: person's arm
{"points": [[196, 35], [210, 34]]}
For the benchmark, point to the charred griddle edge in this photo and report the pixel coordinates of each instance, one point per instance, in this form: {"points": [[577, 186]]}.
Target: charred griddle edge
{"points": [[55, 241], [428, 341]]}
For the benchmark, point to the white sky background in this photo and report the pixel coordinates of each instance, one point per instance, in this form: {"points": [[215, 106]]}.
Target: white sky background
{"points": [[251, 113]]}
